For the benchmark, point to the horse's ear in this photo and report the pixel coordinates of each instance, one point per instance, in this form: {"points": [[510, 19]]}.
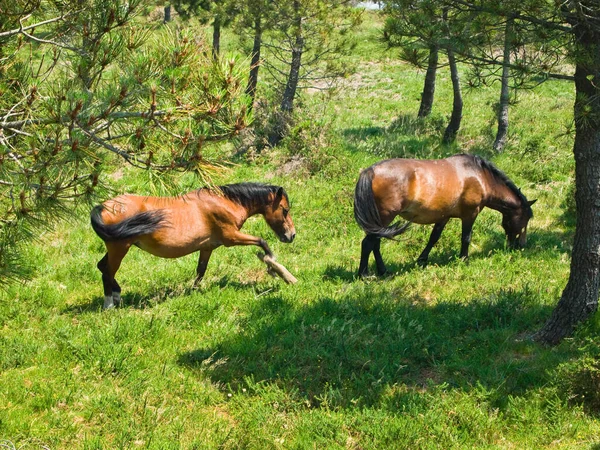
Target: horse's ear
{"points": [[531, 202], [278, 197]]}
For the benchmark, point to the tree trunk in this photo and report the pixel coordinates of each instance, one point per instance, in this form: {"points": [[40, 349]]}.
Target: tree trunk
{"points": [[216, 41], [579, 300], [457, 105], [167, 14], [429, 86], [500, 141], [254, 64], [287, 101]]}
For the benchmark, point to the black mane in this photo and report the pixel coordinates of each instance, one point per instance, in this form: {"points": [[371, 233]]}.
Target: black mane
{"points": [[250, 195], [503, 178]]}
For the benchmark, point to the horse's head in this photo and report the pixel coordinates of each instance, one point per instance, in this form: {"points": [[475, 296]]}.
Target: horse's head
{"points": [[278, 217], [515, 224]]}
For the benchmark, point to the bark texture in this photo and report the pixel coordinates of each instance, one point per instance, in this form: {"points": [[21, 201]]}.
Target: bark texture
{"points": [[429, 85], [502, 133], [216, 38], [457, 104], [579, 300], [287, 101], [255, 62]]}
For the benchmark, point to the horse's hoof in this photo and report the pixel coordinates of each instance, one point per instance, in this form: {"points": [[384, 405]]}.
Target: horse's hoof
{"points": [[108, 302], [116, 299], [421, 262], [368, 277]]}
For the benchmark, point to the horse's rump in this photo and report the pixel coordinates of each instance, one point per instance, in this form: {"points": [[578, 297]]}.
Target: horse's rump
{"points": [[139, 224], [366, 211]]}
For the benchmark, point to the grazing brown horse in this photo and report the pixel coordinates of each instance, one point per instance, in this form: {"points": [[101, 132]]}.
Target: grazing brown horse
{"points": [[433, 192], [171, 227]]}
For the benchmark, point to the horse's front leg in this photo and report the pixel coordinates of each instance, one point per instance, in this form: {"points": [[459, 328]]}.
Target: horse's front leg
{"points": [[467, 231], [239, 238], [202, 265], [435, 236]]}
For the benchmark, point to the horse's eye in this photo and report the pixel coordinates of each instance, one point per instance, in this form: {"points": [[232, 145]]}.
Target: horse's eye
{"points": [[285, 212]]}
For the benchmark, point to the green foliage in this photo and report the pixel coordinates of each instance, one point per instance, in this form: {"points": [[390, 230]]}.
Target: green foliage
{"points": [[580, 381], [90, 83], [433, 358], [321, 31]]}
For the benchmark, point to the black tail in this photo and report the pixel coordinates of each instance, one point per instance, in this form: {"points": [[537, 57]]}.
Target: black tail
{"points": [[142, 223], [366, 212]]}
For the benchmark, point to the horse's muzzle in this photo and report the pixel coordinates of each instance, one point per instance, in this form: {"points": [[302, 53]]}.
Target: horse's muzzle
{"points": [[288, 239]]}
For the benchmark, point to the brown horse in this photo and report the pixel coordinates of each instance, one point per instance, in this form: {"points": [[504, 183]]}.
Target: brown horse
{"points": [[171, 227], [433, 192]]}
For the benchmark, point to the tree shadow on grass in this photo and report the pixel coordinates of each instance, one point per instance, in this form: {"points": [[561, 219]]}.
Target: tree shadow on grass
{"points": [[353, 350], [539, 241], [393, 269], [408, 136], [131, 300], [160, 294]]}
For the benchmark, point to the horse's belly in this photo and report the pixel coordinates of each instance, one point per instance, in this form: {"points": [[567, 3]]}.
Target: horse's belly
{"points": [[422, 219], [173, 248], [425, 216]]}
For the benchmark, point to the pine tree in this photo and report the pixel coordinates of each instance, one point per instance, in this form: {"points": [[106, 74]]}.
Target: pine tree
{"points": [[82, 83]]}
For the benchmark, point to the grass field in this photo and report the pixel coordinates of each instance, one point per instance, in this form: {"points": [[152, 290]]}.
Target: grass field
{"points": [[429, 358]]}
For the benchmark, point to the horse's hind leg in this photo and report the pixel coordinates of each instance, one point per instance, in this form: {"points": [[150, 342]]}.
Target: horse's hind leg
{"points": [[381, 270], [109, 265], [106, 282], [366, 247], [435, 236]]}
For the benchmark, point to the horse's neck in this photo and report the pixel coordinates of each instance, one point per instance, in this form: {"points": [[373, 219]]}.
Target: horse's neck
{"points": [[502, 198], [244, 213]]}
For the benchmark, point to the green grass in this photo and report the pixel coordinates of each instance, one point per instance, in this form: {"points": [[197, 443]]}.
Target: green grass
{"points": [[425, 358]]}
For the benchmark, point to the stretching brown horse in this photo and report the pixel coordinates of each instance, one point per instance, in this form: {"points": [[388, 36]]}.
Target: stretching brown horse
{"points": [[433, 192], [171, 227]]}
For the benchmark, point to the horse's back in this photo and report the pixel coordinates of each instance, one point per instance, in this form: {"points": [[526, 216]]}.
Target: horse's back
{"points": [[188, 223], [427, 191]]}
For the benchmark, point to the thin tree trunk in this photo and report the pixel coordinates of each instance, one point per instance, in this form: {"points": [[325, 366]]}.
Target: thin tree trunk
{"points": [[579, 300], [429, 85], [216, 40], [287, 101], [255, 63], [501, 135], [457, 105], [167, 14]]}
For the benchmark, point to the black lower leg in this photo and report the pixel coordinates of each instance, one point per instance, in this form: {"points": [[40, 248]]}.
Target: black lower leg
{"points": [[433, 238], [265, 247], [202, 265], [103, 263], [381, 270], [467, 232], [366, 249], [107, 282], [116, 293]]}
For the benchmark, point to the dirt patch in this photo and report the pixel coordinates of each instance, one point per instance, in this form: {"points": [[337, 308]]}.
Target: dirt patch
{"points": [[295, 165]]}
